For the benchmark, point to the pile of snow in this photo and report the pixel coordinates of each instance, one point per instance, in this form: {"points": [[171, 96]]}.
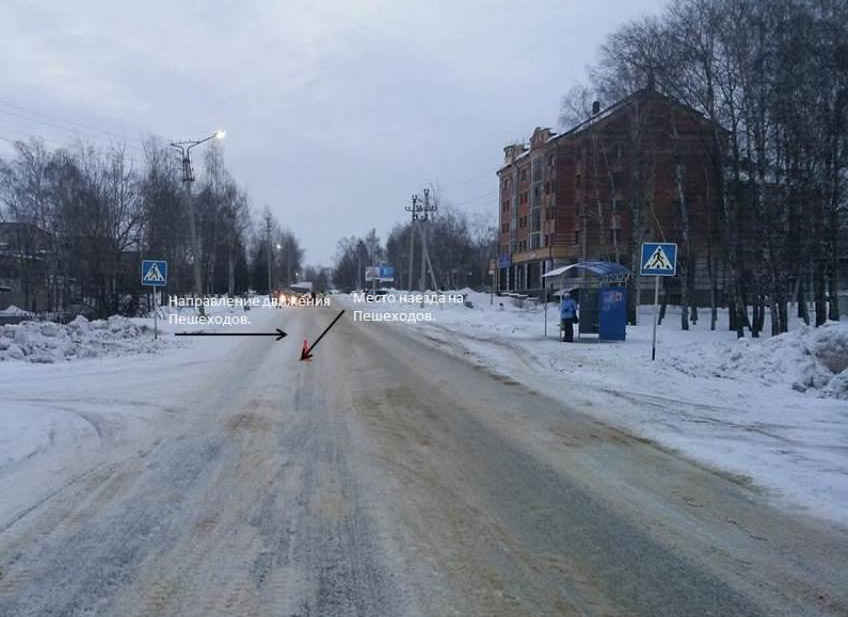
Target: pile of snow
{"points": [[48, 342], [14, 310], [810, 360]]}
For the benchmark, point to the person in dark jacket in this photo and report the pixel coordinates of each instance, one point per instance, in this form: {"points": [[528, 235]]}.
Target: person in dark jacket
{"points": [[567, 315]]}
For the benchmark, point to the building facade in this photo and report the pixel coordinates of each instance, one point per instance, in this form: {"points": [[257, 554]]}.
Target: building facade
{"points": [[23, 266], [636, 171]]}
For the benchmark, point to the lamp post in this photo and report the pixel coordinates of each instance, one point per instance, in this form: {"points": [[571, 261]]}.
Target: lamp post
{"points": [[184, 148]]}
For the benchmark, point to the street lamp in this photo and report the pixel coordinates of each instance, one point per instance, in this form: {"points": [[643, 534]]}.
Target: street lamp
{"points": [[184, 148]]}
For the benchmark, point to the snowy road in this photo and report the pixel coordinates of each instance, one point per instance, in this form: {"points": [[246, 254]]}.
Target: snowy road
{"points": [[382, 478]]}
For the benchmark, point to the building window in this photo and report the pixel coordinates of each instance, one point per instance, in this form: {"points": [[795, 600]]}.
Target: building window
{"points": [[537, 170], [615, 235], [577, 179], [505, 227], [576, 236], [522, 175], [534, 241]]}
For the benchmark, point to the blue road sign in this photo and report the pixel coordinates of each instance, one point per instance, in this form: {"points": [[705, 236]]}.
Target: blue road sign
{"points": [[154, 272], [387, 273], [659, 259]]}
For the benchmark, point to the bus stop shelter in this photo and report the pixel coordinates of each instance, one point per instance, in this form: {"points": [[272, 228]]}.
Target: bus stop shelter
{"points": [[601, 296]]}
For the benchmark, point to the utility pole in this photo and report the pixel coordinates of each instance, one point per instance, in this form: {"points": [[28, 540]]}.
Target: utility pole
{"points": [[268, 239], [184, 148], [414, 210], [288, 260], [420, 213], [422, 277], [425, 256]]}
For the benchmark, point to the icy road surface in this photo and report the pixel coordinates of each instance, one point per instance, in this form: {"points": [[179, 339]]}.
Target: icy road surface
{"points": [[383, 478]]}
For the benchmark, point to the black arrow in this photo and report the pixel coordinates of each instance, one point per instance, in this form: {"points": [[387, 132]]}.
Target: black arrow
{"points": [[279, 334], [306, 352]]}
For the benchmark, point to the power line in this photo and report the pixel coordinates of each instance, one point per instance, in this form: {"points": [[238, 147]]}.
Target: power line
{"points": [[479, 198], [14, 141], [77, 124], [78, 130]]}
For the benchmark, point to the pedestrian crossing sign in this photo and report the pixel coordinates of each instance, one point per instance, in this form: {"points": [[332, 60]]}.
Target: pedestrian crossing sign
{"points": [[154, 272], [659, 259]]}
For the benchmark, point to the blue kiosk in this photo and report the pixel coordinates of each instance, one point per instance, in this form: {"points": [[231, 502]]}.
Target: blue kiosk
{"points": [[601, 296]]}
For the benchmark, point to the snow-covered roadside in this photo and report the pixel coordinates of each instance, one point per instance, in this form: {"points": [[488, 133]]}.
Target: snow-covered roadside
{"points": [[47, 342], [51, 374], [59, 419], [763, 409]]}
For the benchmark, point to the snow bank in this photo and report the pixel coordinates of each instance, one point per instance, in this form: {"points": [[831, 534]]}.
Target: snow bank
{"points": [[809, 360], [48, 342], [14, 310]]}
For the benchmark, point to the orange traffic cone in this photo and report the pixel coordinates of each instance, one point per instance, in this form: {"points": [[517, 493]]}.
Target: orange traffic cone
{"points": [[304, 353]]}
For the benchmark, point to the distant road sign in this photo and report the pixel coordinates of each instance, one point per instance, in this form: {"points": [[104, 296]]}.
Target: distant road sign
{"points": [[154, 272], [659, 259], [379, 273]]}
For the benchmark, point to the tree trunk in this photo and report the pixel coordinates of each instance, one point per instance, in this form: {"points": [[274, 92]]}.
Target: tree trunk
{"points": [[713, 288], [819, 292], [775, 317], [803, 307], [685, 262], [231, 271], [833, 287], [783, 308]]}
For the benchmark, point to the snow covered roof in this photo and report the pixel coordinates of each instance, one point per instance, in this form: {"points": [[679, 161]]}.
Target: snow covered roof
{"points": [[600, 268]]}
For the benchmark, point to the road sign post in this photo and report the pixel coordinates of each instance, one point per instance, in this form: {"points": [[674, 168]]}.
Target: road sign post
{"points": [[154, 273], [658, 259], [656, 318]]}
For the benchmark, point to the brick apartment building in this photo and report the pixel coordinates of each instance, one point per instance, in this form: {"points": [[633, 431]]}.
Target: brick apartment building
{"points": [[566, 197]]}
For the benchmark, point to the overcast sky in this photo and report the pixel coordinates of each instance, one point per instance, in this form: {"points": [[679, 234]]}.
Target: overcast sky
{"points": [[334, 113]]}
